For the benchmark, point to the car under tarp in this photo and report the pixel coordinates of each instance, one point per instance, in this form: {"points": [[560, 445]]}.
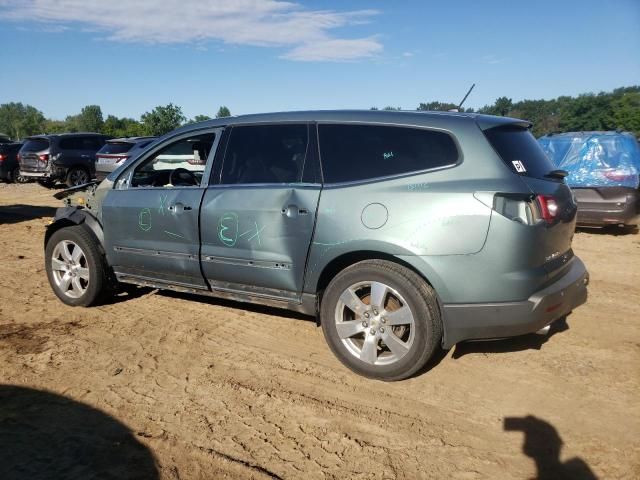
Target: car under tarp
{"points": [[595, 159]]}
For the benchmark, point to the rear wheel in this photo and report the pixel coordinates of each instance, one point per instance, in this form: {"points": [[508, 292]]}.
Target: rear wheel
{"points": [[77, 176], [15, 177], [381, 320], [76, 269]]}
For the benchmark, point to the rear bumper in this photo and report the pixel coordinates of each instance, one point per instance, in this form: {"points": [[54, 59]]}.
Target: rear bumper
{"points": [[498, 320], [599, 207]]}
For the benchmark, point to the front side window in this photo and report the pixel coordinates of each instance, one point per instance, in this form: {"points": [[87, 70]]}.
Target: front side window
{"points": [[179, 164], [265, 154], [360, 152]]}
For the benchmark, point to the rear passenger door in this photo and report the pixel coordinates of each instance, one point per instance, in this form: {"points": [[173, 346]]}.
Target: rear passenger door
{"points": [[258, 215]]}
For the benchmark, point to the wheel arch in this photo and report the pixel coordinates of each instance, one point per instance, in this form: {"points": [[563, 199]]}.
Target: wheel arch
{"points": [[71, 216], [345, 260]]}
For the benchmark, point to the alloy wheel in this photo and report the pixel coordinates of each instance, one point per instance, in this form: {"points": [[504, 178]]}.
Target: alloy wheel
{"points": [[70, 269], [374, 323]]}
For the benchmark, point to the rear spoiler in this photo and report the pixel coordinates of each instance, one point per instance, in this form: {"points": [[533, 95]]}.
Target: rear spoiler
{"points": [[485, 122]]}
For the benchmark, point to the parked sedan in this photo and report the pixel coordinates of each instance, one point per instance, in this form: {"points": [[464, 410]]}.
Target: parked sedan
{"points": [[603, 172], [117, 151], [9, 168]]}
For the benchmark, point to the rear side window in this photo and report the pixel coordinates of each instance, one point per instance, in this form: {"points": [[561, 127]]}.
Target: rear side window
{"points": [[360, 152], [35, 144], [81, 143], [519, 149], [265, 154], [115, 148]]}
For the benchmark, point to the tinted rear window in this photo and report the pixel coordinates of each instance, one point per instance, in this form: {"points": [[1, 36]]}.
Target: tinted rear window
{"points": [[519, 149], [115, 148], [81, 143], [360, 152], [35, 144]]}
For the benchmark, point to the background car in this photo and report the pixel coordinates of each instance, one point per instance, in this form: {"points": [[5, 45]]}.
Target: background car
{"points": [[116, 152], [67, 157], [9, 168], [603, 172]]}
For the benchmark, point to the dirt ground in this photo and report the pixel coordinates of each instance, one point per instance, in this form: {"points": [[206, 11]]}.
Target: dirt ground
{"points": [[171, 386]]}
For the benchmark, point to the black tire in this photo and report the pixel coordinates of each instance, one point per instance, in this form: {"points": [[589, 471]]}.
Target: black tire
{"points": [[15, 177], [100, 285], [77, 176], [414, 292]]}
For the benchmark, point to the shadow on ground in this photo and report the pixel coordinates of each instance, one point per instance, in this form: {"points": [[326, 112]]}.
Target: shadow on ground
{"points": [[542, 444], [48, 436], [23, 213], [610, 230], [237, 305], [532, 341]]}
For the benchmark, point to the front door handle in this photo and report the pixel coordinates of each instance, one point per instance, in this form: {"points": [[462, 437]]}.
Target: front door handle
{"points": [[179, 208], [293, 211]]}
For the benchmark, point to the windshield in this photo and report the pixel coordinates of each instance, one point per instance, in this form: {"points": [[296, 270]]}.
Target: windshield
{"points": [[520, 151], [595, 159]]}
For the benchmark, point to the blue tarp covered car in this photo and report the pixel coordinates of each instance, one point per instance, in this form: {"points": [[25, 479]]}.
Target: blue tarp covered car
{"points": [[603, 171]]}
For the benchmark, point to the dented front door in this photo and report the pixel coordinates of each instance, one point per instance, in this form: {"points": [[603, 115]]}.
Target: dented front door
{"points": [[255, 238]]}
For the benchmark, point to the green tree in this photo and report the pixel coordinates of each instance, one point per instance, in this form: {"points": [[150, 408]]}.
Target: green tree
{"points": [[625, 112], [162, 119], [122, 127], [198, 118], [437, 106], [18, 120], [55, 126], [90, 119], [223, 112]]}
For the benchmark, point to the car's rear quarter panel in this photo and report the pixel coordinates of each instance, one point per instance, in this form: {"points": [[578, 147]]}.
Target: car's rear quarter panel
{"points": [[434, 221]]}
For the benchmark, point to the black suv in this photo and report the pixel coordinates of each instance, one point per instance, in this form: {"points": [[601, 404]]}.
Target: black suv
{"points": [[9, 169], [68, 157]]}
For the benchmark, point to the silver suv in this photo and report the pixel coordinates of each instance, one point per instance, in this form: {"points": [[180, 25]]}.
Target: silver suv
{"points": [[402, 232]]}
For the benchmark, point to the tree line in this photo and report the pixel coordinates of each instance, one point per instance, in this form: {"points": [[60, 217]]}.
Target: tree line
{"points": [[19, 121], [615, 110]]}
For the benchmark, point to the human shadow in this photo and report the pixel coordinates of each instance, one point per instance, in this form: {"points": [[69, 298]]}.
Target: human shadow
{"points": [[48, 436], [542, 444], [533, 341], [23, 213]]}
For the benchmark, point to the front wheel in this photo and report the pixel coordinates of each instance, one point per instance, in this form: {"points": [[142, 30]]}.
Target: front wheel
{"points": [[381, 320], [76, 269]]}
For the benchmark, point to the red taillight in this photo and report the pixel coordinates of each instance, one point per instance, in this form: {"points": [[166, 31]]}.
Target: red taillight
{"points": [[548, 208], [44, 157], [619, 175], [2, 157]]}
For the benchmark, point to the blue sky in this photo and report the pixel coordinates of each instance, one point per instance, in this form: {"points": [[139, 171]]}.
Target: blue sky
{"points": [[269, 55]]}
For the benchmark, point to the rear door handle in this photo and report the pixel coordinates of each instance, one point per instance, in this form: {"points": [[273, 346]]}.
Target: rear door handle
{"points": [[294, 211]]}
